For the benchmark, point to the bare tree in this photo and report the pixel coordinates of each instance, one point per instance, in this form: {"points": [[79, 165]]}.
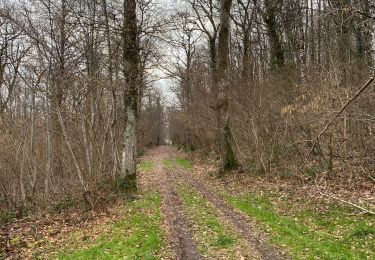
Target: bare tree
{"points": [[227, 156], [131, 74]]}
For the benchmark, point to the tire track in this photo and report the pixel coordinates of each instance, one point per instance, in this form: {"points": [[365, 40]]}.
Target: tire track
{"points": [[238, 221], [178, 227]]}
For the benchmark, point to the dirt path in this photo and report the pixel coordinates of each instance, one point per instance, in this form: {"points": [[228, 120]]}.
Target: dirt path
{"points": [[177, 226], [237, 220]]}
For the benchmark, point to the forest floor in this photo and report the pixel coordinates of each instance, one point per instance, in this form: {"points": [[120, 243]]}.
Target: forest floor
{"points": [[184, 211]]}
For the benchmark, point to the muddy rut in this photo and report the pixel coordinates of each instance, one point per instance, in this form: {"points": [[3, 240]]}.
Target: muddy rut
{"points": [[237, 220], [178, 227]]}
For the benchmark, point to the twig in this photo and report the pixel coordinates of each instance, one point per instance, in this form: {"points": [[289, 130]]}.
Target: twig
{"points": [[368, 174], [368, 211], [359, 92], [365, 14]]}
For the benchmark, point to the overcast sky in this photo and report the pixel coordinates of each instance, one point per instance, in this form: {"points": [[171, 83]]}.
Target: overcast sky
{"points": [[165, 84]]}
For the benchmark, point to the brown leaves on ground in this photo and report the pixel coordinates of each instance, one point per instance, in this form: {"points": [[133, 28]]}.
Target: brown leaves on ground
{"points": [[45, 234], [304, 192]]}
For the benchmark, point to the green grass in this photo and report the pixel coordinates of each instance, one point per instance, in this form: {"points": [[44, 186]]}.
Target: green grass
{"points": [[309, 234], [168, 163], [181, 162], [146, 166], [137, 236], [213, 237], [184, 163]]}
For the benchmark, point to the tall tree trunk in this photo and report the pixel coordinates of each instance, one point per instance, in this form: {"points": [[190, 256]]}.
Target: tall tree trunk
{"points": [[48, 144], [272, 7], [246, 73], [228, 160], [344, 28], [32, 147], [131, 74], [112, 85], [58, 89]]}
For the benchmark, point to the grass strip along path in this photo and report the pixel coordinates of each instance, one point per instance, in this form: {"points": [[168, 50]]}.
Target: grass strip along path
{"points": [[325, 235], [176, 218], [138, 236], [336, 233], [214, 237], [180, 217]]}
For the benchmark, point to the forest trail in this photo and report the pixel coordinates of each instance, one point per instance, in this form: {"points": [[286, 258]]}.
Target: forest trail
{"points": [[183, 211], [175, 215], [167, 176], [177, 226], [276, 96]]}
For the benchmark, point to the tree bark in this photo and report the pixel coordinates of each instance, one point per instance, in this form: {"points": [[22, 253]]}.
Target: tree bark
{"points": [[227, 157], [272, 7], [58, 88], [131, 74]]}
